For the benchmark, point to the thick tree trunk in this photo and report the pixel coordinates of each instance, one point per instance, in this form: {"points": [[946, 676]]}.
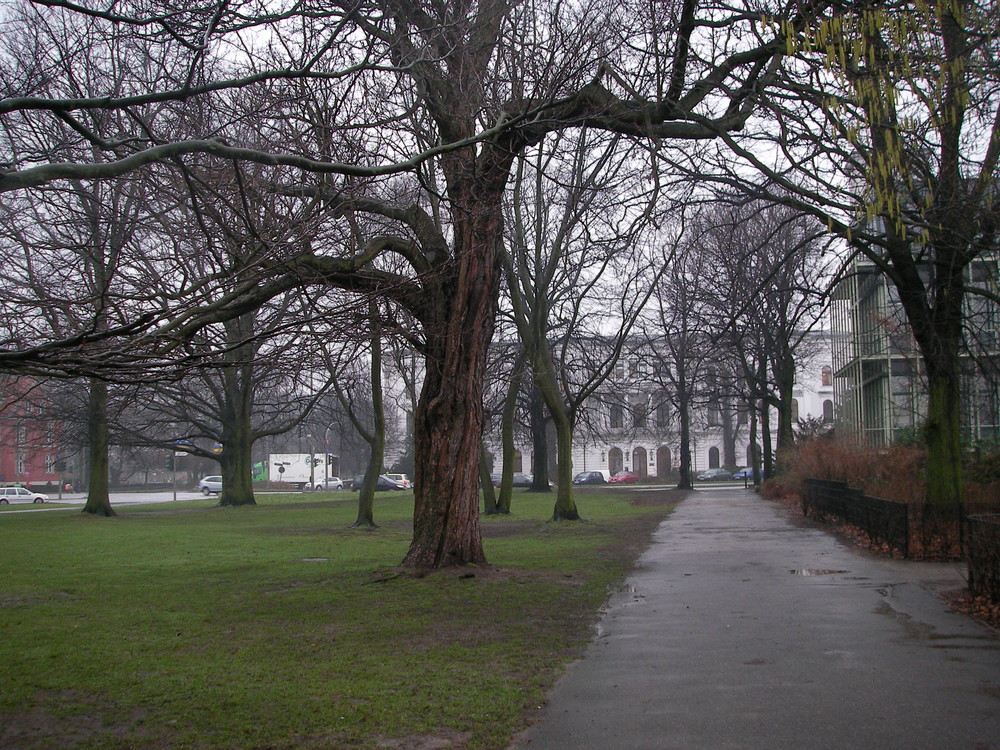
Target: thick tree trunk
{"points": [[236, 469], [943, 434], [539, 441], [235, 463], [565, 508], [98, 498], [236, 409], [448, 424]]}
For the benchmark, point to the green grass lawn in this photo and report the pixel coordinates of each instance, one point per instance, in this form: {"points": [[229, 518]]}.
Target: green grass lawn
{"points": [[189, 625]]}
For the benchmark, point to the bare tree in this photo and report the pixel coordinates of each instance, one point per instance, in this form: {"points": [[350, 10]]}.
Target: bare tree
{"points": [[676, 337], [577, 270], [450, 93], [767, 293], [888, 131]]}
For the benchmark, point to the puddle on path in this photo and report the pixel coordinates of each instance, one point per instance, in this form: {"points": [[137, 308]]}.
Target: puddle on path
{"points": [[816, 572]]}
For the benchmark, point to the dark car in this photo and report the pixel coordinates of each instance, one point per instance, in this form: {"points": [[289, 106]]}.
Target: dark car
{"points": [[382, 483], [746, 473], [714, 475], [520, 480], [589, 477]]}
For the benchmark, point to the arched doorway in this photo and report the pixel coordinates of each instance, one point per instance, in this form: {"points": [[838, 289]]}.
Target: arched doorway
{"points": [[663, 467], [615, 460], [518, 462], [639, 462], [713, 458]]}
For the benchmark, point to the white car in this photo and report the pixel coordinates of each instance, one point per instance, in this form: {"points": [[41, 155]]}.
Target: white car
{"points": [[210, 485], [402, 479], [330, 483], [20, 494]]}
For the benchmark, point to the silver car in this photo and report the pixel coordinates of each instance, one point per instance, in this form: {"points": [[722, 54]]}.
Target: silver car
{"points": [[330, 483], [210, 485], [20, 495]]}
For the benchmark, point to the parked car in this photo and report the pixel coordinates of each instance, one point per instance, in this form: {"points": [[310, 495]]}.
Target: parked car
{"points": [[402, 479], [20, 495], [330, 483], [589, 477], [210, 485], [523, 480], [382, 483], [714, 475], [520, 480], [624, 477], [746, 473]]}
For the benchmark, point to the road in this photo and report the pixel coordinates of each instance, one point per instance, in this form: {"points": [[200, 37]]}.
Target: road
{"points": [[77, 499]]}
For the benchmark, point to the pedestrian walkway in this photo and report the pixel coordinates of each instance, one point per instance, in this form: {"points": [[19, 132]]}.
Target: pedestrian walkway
{"points": [[744, 629]]}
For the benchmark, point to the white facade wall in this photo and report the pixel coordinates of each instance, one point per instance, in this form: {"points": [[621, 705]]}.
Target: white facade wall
{"points": [[653, 450]]}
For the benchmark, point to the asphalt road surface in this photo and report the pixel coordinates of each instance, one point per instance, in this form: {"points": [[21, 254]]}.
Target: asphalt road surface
{"points": [[742, 628]]}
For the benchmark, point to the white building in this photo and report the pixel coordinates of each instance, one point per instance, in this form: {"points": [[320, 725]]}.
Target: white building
{"points": [[632, 422]]}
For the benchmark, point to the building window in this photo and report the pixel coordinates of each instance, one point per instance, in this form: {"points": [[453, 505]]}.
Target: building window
{"points": [[714, 412], [662, 411], [795, 410], [619, 370], [518, 462], [616, 420], [22, 435], [50, 463], [19, 464], [827, 375], [639, 415], [713, 458], [828, 410]]}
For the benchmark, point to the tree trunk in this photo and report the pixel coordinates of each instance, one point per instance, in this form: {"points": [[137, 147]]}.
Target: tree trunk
{"points": [[943, 434], [784, 377], [448, 424], [98, 499], [236, 468], [539, 441], [565, 508], [684, 414], [507, 437], [376, 454], [754, 452], [486, 482], [235, 462], [765, 436], [729, 430]]}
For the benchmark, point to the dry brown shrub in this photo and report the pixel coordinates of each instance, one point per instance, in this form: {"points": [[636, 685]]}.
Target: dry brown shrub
{"points": [[894, 473]]}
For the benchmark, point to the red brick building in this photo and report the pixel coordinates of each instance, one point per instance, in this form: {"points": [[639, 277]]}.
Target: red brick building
{"points": [[29, 436]]}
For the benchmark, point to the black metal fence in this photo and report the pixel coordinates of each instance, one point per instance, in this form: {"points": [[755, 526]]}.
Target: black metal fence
{"points": [[938, 531], [884, 521], [928, 531], [983, 554]]}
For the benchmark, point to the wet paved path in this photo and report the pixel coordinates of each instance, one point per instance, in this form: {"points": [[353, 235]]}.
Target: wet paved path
{"points": [[740, 629]]}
